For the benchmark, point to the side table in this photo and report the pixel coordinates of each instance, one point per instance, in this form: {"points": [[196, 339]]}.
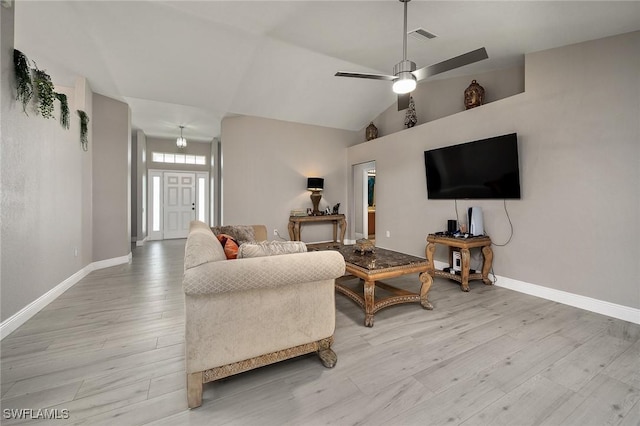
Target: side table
{"points": [[462, 244], [296, 221]]}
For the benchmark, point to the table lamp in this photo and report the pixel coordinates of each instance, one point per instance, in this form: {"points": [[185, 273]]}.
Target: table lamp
{"points": [[315, 185]]}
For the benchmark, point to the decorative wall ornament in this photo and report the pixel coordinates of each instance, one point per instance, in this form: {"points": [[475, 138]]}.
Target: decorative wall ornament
{"points": [[64, 110], [84, 129], [45, 92], [24, 84], [410, 119], [371, 132], [473, 95]]}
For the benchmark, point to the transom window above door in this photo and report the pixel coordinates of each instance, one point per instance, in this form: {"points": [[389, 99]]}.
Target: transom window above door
{"points": [[169, 157]]}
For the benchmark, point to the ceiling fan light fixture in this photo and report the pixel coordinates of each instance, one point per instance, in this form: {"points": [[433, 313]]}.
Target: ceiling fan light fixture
{"points": [[405, 83]]}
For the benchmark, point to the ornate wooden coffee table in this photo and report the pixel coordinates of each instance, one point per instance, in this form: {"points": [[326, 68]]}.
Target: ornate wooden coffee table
{"points": [[382, 264]]}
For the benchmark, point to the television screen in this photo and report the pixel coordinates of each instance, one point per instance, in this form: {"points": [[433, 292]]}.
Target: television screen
{"points": [[482, 169]]}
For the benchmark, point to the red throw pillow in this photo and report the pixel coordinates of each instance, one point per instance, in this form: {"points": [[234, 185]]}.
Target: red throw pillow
{"points": [[230, 245]]}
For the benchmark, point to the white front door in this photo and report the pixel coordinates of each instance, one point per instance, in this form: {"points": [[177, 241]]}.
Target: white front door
{"points": [[179, 203]]}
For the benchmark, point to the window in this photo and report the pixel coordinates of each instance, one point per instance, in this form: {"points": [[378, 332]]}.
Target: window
{"points": [[156, 204], [202, 199], [167, 157], [144, 204]]}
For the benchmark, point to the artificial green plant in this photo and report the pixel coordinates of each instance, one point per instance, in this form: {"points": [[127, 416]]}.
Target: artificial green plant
{"points": [[64, 109], [24, 84], [84, 129]]}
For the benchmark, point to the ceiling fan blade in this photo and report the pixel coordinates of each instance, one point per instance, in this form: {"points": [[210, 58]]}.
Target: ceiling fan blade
{"points": [[403, 101], [450, 64], [366, 75]]}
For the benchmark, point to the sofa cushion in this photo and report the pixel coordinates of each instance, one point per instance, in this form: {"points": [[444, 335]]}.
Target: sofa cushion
{"points": [[240, 233], [202, 247], [270, 248], [229, 244]]}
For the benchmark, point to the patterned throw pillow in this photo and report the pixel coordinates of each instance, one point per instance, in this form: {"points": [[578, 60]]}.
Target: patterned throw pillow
{"points": [[270, 248], [229, 244], [240, 233]]}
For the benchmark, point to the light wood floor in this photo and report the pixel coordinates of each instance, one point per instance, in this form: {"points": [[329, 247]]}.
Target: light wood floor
{"points": [[110, 351]]}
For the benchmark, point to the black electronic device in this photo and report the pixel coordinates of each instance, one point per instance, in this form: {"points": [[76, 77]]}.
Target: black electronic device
{"points": [[482, 169]]}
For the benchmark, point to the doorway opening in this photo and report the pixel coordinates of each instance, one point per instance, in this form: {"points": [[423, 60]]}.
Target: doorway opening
{"points": [[364, 184]]}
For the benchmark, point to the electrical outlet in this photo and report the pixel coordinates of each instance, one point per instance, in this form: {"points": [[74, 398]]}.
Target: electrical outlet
{"points": [[275, 232], [388, 234]]}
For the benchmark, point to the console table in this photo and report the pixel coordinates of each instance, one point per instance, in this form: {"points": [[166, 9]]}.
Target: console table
{"points": [[296, 221], [463, 245]]}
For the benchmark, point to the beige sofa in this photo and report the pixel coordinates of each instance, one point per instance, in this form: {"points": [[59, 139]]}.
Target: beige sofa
{"points": [[245, 313]]}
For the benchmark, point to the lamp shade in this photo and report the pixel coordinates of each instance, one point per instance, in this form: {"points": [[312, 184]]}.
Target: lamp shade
{"points": [[315, 184]]}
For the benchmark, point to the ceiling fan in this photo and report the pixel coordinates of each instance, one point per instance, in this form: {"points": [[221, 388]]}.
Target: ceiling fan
{"points": [[406, 76]]}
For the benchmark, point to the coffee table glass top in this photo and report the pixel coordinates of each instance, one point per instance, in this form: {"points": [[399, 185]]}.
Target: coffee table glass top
{"points": [[380, 259]]}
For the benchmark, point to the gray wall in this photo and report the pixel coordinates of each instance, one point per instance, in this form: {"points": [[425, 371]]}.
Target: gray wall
{"points": [[576, 226], [265, 168], [440, 98], [46, 194], [138, 173], [111, 178]]}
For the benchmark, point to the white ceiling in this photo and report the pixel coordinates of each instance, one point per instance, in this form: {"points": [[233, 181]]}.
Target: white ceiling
{"points": [[193, 63]]}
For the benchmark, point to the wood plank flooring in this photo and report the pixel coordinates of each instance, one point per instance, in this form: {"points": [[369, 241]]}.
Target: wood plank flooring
{"points": [[110, 350]]}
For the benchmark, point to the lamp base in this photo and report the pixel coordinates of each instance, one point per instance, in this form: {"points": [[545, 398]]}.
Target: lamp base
{"points": [[315, 200]]}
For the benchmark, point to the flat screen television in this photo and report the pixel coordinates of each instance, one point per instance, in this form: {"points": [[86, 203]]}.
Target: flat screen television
{"points": [[482, 169]]}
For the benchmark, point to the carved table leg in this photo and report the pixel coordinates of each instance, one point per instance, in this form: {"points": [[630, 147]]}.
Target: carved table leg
{"points": [[431, 248], [343, 230], [426, 281], [296, 232], [369, 301], [486, 264], [466, 259], [292, 236]]}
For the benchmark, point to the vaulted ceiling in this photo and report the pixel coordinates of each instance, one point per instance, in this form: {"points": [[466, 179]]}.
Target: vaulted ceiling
{"points": [[193, 63]]}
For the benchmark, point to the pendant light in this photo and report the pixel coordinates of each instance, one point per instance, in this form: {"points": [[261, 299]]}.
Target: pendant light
{"points": [[181, 141]]}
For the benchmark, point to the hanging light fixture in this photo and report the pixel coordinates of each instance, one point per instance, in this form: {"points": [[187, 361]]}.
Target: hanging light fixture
{"points": [[181, 141]]}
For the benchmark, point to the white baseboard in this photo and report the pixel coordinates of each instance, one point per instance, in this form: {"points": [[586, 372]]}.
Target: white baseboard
{"points": [[140, 243], [613, 310], [107, 263], [9, 325], [609, 309]]}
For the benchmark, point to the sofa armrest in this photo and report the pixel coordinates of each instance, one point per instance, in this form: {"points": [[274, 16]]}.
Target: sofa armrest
{"points": [[263, 272]]}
